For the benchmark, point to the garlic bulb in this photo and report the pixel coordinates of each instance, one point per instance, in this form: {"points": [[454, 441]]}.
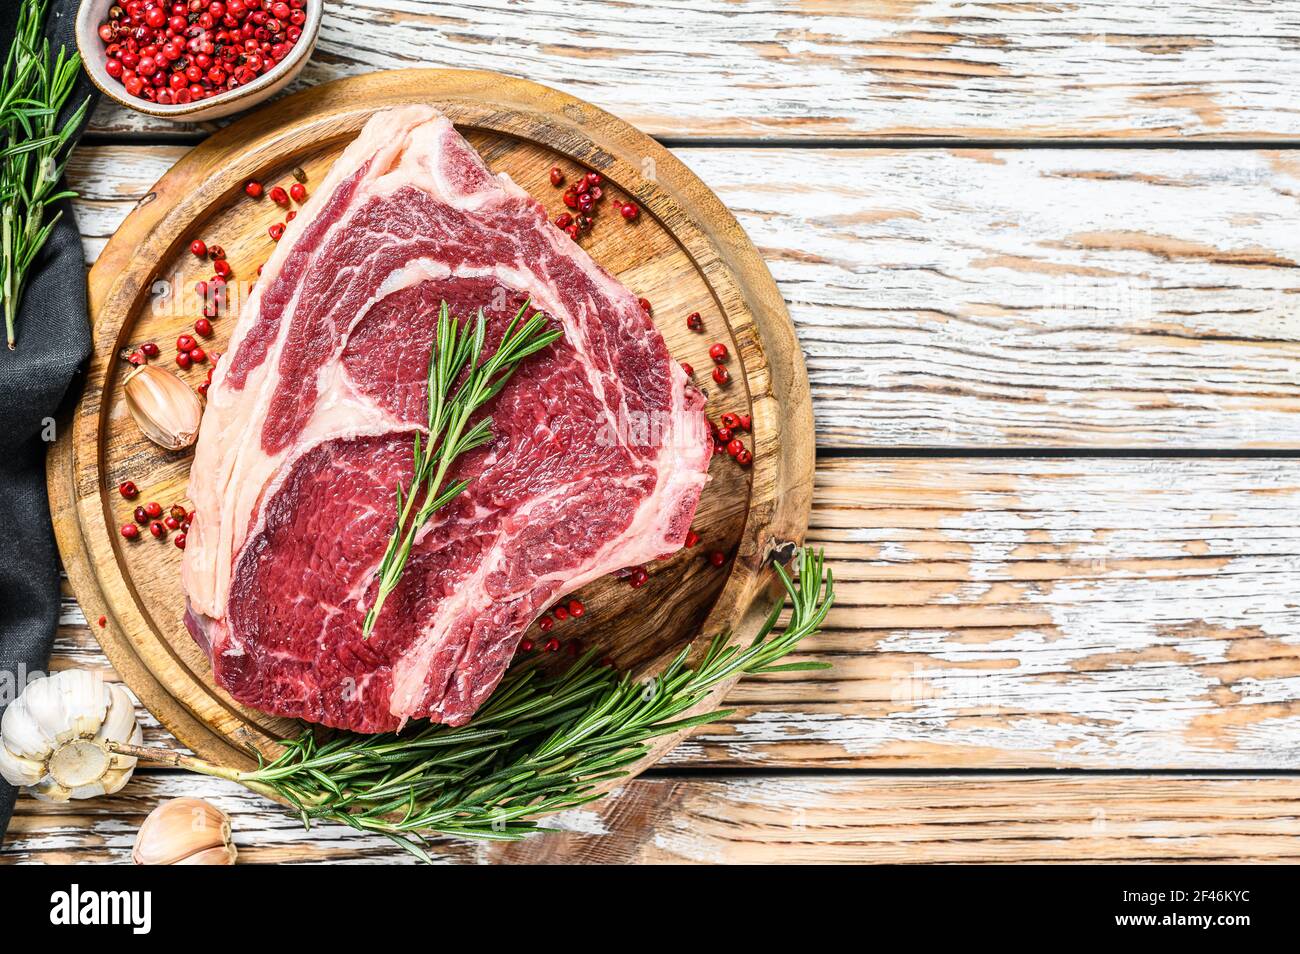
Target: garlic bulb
{"points": [[53, 737], [163, 406], [184, 831]]}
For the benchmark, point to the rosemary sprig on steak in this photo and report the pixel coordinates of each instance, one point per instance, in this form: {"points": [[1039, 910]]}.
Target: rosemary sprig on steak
{"points": [[33, 89], [455, 348], [543, 743]]}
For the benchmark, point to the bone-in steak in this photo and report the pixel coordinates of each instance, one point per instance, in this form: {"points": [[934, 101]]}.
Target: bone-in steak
{"points": [[599, 449]]}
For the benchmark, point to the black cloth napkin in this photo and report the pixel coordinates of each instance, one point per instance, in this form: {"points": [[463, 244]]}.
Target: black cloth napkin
{"points": [[53, 343]]}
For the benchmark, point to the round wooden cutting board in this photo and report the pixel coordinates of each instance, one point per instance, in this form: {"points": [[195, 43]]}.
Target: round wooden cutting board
{"points": [[685, 253]]}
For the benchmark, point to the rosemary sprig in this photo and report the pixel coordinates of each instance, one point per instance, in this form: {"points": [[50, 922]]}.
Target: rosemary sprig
{"points": [[33, 89], [542, 743], [449, 434]]}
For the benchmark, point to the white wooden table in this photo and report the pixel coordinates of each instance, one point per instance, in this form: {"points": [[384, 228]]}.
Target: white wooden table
{"points": [[1043, 262]]}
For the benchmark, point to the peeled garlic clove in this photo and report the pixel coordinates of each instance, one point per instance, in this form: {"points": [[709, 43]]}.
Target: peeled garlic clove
{"points": [[184, 831], [163, 406]]}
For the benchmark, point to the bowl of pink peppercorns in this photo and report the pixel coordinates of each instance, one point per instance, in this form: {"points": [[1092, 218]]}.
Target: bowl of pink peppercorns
{"points": [[192, 60]]}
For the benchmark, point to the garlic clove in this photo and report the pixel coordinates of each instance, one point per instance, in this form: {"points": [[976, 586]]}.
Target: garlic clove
{"points": [[120, 726], [164, 407], [184, 831], [222, 855], [51, 791], [18, 771], [22, 733]]}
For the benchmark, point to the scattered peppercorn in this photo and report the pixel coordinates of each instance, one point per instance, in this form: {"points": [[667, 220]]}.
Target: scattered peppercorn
{"points": [[692, 538], [199, 248], [690, 372], [128, 489], [130, 531], [557, 176], [718, 352], [576, 609], [298, 192], [545, 624], [629, 211], [694, 321], [276, 231], [253, 189], [721, 375], [279, 196], [150, 349], [717, 558]]}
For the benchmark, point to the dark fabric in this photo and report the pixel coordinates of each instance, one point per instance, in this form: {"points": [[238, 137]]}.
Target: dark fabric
{"points": [[53, 342]]}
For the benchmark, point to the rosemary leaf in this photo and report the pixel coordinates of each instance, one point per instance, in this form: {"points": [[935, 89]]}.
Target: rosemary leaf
{"points": [[33, 89], [541, 744], [456, 351]]}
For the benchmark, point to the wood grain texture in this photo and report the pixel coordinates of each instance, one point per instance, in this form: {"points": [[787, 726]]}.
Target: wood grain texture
{"points": [[685, 253], [1112, 613], [849, 68], [1026, 614], [959, 298], [801, 819]]}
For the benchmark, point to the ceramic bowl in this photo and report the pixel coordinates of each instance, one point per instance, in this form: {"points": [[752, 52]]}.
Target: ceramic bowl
{"points": [[94, 12]]}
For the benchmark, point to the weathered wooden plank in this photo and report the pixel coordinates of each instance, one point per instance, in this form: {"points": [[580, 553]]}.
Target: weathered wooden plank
{"points": [[1079, 298], [1107, 613], [761, 819], [933, 819], [103, 830], [793, 69]]}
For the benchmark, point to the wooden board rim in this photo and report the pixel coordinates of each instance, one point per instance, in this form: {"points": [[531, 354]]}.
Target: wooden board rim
{"points": [[773, 364]]}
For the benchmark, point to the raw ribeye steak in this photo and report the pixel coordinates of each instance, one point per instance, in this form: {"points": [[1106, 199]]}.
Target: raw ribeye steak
{"points": [[599, 451]]}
